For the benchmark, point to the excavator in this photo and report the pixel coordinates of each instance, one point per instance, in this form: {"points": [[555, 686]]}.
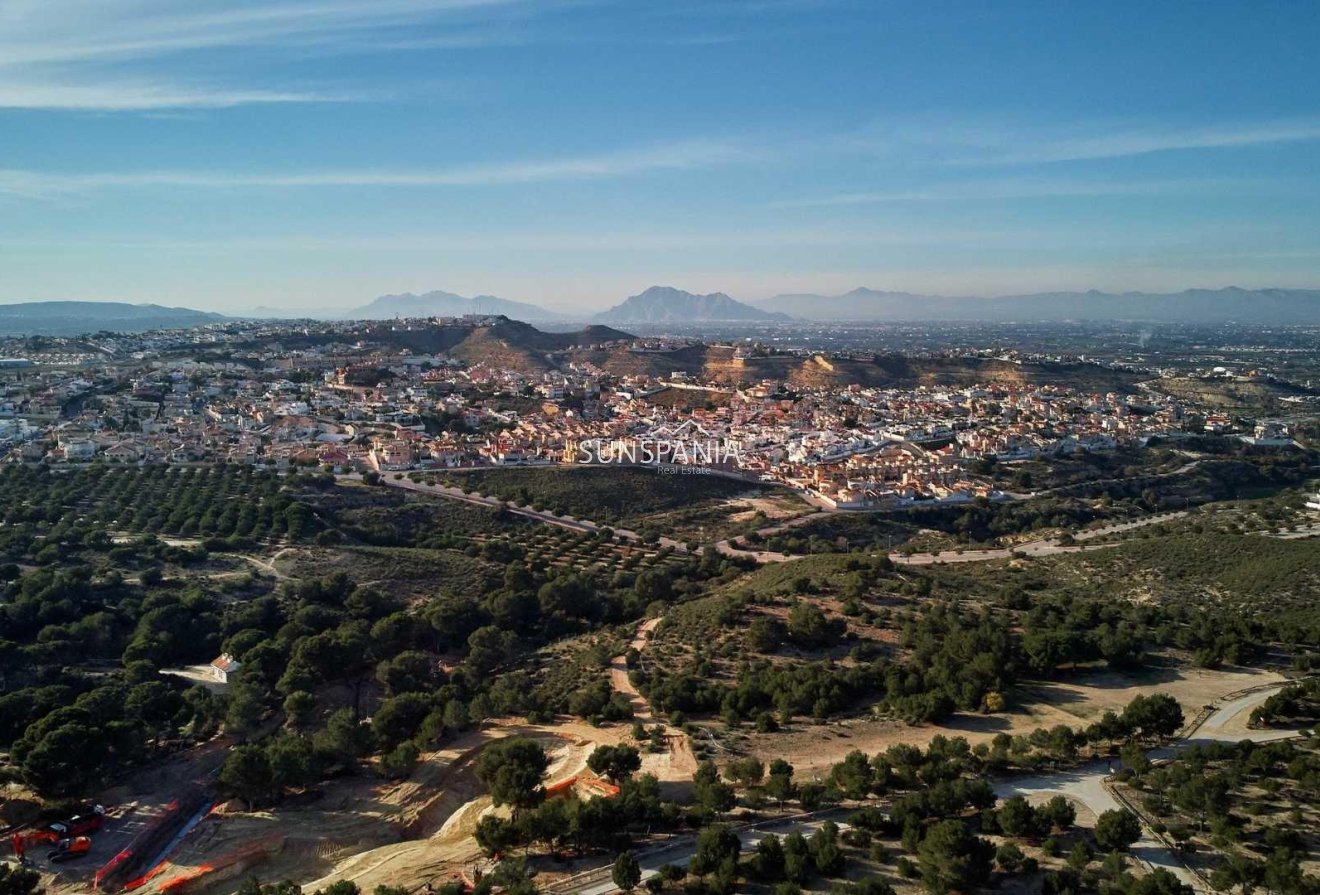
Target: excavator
{"points": [[70, 849], [71, 837]]}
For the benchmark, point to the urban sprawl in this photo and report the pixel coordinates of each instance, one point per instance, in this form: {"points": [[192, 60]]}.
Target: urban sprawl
{"points": [[240, 393]]}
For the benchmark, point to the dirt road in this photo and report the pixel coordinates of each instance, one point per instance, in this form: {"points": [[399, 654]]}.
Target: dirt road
{"points": [[619, 672], [1087, 784], [682, 762]]}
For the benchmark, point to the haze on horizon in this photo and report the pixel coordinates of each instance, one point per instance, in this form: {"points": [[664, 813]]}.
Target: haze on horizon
{"points": [[228, 154]]}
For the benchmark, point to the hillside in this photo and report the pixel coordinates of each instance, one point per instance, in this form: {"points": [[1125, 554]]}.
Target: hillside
{"points": [[508, 344], [665, 304], [447, 304], [817, 371], [71, 318]]}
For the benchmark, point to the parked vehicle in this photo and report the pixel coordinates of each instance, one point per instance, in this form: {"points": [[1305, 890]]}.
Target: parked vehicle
{"points": [[80, 824]]}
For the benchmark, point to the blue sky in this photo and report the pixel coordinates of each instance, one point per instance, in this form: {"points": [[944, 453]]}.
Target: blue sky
{"points": [[312, 154]]}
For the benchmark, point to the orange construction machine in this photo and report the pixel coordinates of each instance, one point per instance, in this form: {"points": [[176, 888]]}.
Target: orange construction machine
{"points": [[70, 849]]}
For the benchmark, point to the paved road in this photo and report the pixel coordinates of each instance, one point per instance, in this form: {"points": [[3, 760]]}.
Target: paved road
{"points": [[1227, 723], [1086, 784]]}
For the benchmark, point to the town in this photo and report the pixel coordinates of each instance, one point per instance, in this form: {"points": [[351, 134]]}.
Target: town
{"points": [[343, 398]]}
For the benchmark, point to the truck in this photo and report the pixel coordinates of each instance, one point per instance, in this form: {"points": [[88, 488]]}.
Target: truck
{"points": [[80, 824]]}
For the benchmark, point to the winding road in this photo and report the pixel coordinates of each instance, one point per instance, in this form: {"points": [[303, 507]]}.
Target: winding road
{"points": [[1088, 785]]}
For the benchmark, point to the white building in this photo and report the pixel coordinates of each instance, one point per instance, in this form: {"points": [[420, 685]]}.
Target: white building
{"points": [[224, 666]]}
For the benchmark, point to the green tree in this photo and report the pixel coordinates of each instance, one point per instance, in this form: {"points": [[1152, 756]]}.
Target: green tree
{"points": [[1018, 819], [247, 705], [1057, 814], [252, 887], [399, 761], [399, 718], [745, 771], [1241, 871], [767, 863], [710, 794], [826, 854], [853, 776], [247, 774], [293, 762], [952, 858], [1117, 830], [1158, 882], [1009, 857], [495, 835], [615, 763], [809, 626], [780, 787], [512, 769], [343, 887], [300, 709], [627, 873], [715, 844], [345, 738]]}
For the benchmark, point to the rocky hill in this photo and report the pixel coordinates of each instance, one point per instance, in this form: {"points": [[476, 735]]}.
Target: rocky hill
{"points": [[665, 304]]}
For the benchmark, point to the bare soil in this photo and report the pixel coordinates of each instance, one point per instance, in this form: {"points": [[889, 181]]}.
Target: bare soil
{"points": [[1076, 702]]}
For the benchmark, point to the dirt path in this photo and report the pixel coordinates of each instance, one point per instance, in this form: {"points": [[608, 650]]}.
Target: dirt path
{"points": [[679, 763], [619, 672], [267, 566]]}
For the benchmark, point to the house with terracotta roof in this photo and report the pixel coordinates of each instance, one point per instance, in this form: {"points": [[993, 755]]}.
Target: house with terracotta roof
{"points": [[223, 666]]}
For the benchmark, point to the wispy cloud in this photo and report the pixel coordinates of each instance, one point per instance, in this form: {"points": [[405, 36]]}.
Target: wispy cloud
{"points": [[119, 55], [38, 31], [120, 96], [672, 157], [995, 190], [1037, 145], [591, 241]]}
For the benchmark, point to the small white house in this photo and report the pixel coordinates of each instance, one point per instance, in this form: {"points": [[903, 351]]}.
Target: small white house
{"points": [[223, 667]]}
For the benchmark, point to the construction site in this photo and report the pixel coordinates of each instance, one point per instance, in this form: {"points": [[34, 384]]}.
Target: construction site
{"points": [[409, 833]]}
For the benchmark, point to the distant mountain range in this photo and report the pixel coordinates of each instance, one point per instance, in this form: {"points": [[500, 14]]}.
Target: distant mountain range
{"points": [[665, 304], [72, 318], [447, 304], [1266, 306]]}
